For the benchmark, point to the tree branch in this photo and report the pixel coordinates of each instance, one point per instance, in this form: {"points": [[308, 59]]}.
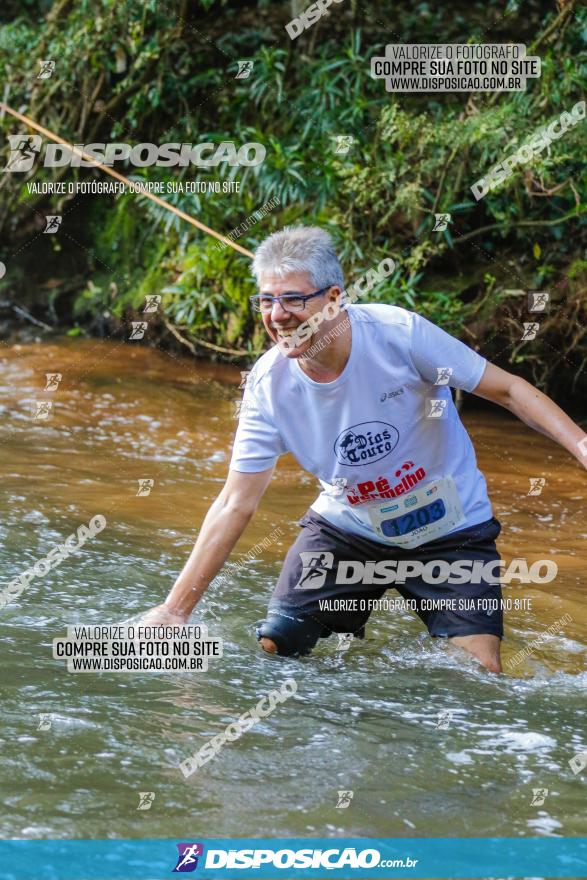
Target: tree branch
{"points": [[175, 332], [481, 229]]}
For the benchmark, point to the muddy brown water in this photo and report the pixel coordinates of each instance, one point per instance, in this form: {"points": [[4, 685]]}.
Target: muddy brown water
{"points": [[364, 720]]}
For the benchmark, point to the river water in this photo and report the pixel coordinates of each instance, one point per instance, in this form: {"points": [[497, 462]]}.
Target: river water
{"points": [[366, 720]]}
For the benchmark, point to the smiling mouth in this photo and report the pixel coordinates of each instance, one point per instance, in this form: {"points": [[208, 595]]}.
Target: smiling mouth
{"points": [[285, 331]]}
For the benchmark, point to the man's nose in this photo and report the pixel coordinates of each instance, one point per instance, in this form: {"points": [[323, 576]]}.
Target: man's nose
{"points": [[278, 313]]}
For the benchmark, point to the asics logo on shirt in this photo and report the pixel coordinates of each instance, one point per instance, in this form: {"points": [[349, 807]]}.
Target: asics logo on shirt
{"points": [[387, 395]]}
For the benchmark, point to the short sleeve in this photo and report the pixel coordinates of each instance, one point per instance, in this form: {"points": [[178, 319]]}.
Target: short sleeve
{"points": [[442, 359], [257, 442]]}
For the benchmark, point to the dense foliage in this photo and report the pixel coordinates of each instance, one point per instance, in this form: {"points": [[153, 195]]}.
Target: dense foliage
{"points": [[165, 71]]}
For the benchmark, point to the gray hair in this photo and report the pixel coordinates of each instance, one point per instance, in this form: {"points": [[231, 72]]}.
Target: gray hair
{"points": [[300, 249]]}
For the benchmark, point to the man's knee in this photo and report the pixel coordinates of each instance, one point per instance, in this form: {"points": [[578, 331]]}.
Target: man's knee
{"points": [[288, 633], [485, 647], [490, 660]]}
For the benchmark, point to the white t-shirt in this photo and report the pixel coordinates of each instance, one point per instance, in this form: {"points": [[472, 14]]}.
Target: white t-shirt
{"points": [[370, 432]]}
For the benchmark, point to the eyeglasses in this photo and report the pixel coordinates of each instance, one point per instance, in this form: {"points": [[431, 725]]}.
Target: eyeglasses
{"points": [[290, 301]]}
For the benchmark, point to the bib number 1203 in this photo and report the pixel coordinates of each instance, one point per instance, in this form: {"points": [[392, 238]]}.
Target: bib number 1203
{"points": [[415, 519]]}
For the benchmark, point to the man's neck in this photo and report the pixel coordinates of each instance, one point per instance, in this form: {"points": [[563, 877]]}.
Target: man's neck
{"points": [[327, 363]]}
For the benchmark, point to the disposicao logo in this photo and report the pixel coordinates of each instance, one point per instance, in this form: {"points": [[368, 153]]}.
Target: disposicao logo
{"points": [[365, 443], [187, 860], [25, 149]]}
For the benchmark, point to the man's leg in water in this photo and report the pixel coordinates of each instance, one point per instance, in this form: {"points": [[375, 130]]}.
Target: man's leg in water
{"points": [[472, 616], [297, 617], [475, 543], [484, 647]]}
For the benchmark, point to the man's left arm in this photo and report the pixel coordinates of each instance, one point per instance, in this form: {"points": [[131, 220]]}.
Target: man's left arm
{"points": [[534, 408]]}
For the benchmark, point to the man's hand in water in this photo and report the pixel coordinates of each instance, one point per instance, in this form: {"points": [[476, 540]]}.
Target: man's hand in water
{"points": [[162, 614]]}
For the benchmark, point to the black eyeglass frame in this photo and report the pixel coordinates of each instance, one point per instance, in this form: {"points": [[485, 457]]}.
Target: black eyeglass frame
{"points": [[255, 300]]}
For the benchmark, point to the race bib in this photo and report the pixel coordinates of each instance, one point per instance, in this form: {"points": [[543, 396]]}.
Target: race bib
{"points": [[429, 512]]}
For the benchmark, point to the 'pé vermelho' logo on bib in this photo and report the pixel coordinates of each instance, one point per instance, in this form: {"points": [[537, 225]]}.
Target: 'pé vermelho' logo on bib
{"points": [[365, 443]]}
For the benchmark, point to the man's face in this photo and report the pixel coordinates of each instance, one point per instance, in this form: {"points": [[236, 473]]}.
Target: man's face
{"points": [[280, 323]]}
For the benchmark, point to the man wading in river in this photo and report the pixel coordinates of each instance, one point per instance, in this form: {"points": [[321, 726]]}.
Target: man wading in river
{"points": [[360, 395]]}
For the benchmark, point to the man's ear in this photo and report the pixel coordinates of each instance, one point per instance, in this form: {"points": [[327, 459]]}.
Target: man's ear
{"points": [[333, 306]]}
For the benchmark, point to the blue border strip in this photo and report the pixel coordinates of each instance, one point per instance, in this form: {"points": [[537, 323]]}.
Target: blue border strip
{"points": [[156, 859]]}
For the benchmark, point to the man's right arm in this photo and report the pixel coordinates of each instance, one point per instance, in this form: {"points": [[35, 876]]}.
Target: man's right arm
{"points": [[223, 525]]}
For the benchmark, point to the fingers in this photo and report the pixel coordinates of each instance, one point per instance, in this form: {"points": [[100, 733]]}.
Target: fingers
{"points": [[162, 615]]}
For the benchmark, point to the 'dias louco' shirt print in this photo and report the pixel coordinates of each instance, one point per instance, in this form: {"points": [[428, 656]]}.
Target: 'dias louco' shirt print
{"points": [[385, 427]]}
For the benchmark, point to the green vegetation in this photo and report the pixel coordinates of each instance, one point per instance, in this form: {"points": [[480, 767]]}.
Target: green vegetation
{"points": [[165, 72]]}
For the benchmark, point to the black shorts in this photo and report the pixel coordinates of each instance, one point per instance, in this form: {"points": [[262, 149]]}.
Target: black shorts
{"points": [[311, 602]]}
